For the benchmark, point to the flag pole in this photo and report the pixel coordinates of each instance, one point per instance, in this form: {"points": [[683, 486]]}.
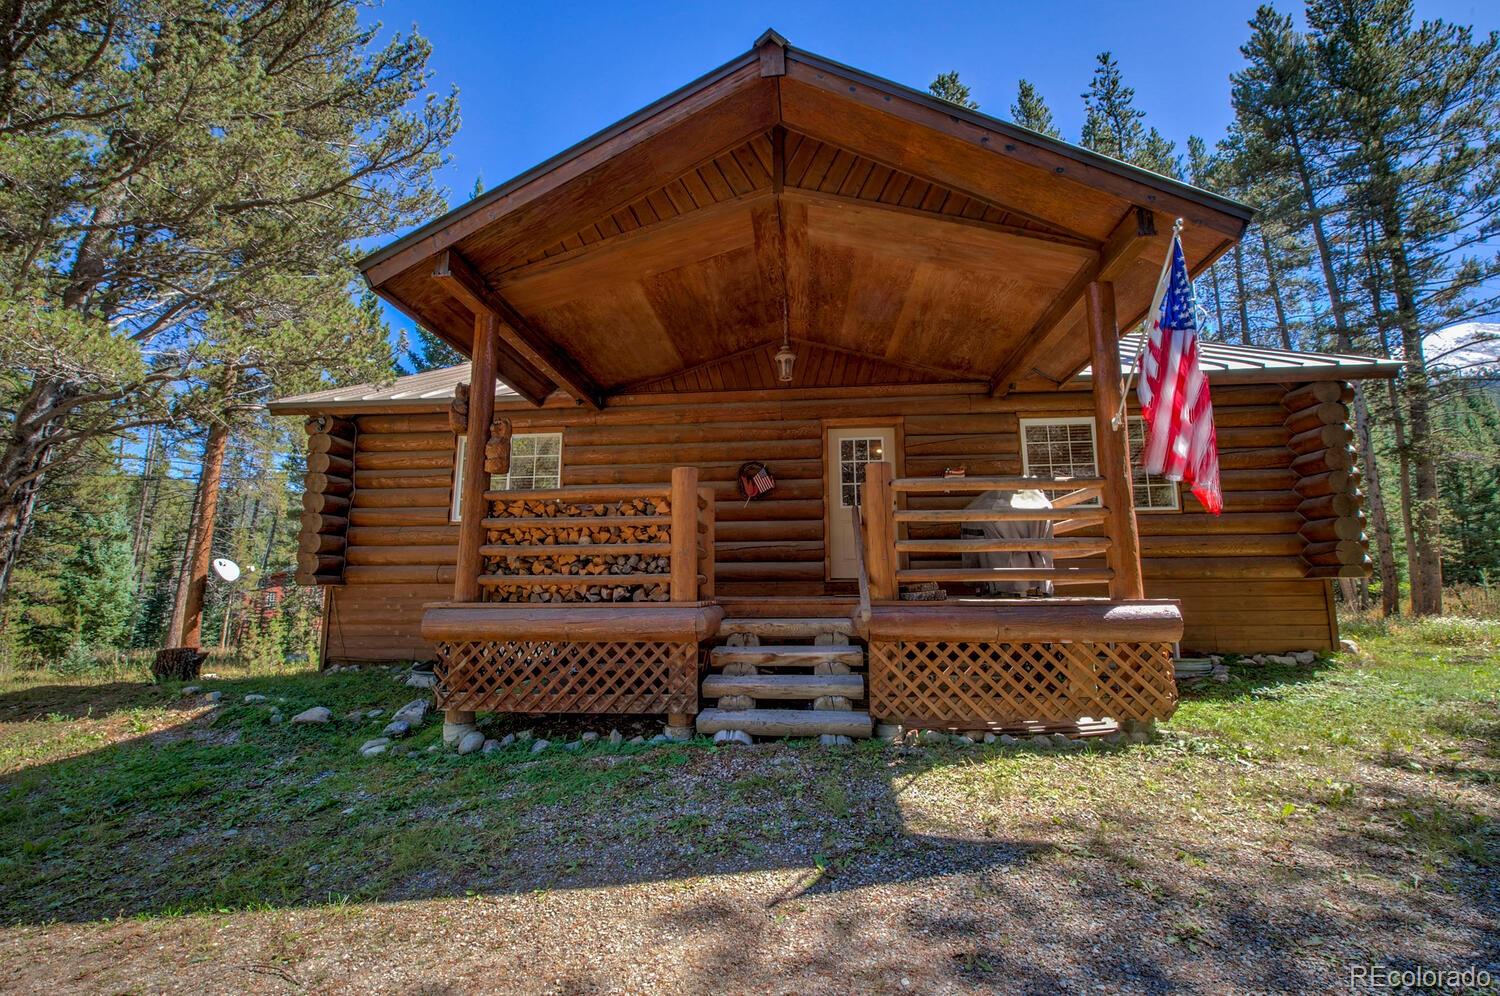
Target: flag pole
{"points": [[1119, 416]]}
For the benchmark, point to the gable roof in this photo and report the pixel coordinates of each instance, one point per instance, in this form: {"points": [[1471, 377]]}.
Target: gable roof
{"points": [[784, 187], [1223, 362]]}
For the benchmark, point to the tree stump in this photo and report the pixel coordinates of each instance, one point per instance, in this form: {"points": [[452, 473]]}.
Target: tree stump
{"points": [[177, 663]]}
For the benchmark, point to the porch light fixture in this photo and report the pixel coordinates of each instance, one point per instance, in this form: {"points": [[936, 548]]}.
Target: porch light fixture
{"points": [[784, 356]]}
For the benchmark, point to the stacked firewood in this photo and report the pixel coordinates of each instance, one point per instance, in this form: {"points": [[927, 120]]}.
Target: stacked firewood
{"points": [[628, 550], [1332, 508], [329, 487]]}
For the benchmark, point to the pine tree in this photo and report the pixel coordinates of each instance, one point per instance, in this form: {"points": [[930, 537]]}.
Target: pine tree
{"points": [[948, 87], [1031, 111], [433, 353], [1114, 126]]}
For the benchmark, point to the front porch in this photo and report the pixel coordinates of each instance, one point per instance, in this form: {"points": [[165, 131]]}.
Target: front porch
{"points": [[602, 600]]}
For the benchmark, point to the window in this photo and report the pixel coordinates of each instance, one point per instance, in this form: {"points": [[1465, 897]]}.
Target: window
{"points": [[854, 453], [1064, 447], [535, 464]]}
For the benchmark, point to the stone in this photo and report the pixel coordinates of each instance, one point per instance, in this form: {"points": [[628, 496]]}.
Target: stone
{"points": [[589, 737], [616, 737], [413, 713], [677, 733], [1306, 657], [963, 740], [191, 690], [507, 740], [253, 699], [276, 719], [454, 732], [420, 679], [989, 738], [1285, 660], [434, 748], [1220, 674], [470, 742], [932, 737], [1006, 740], [377, 742], [374, 713], [637, 739], [397, 728], [374, 751], [660, 738], [355, 715], [888, 731], [524, 736], [833, 740], [1042, 741], [1346, 646], [734, 737], [573, 745], [1061, 740], [539, 746], [215, 696], [490, 747], [317, 714]]}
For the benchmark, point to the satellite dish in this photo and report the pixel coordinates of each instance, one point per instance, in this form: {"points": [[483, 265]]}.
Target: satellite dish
{"points": [[226, 569]]}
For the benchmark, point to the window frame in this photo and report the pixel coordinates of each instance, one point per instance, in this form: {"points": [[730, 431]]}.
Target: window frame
{"points": [[497, 482], [1136, 492]]}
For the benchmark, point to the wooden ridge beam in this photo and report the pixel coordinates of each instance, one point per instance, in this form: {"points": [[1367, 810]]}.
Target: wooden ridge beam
{"points": [[467, 287], [1124, 245]]}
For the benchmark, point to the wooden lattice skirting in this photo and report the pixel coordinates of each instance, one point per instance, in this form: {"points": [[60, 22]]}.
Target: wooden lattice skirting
{"points": [[974, 685], [557, 676]]}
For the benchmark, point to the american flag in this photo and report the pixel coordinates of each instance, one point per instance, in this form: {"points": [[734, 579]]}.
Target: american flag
{"points": [[1180, 441]]}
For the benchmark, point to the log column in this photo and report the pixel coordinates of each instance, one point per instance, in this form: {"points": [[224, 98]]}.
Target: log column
{"points": [[1113, 444], [471, 502]]}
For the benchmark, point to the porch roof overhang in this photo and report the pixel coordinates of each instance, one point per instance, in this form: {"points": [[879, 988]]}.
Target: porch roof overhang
{"points": [[783, 187]]}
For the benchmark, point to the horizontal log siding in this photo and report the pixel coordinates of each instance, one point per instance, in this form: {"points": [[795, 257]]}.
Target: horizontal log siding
{"points": [[401, 546]]}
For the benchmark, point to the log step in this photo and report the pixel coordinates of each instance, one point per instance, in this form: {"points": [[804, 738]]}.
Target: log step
{"points": [[787, 628], [784, 686], [785, 655], [786, 722]]}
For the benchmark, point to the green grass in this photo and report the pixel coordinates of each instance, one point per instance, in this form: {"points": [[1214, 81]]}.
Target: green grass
{"points": [[123, 798]]}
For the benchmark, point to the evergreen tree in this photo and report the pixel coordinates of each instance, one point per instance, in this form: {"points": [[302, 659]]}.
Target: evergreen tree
{"points": [[1031, 111], [433, 353], [1114, 126], [949, 87]]}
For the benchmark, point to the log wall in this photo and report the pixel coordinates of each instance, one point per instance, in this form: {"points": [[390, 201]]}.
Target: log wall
{"points": [[1241, 576]]}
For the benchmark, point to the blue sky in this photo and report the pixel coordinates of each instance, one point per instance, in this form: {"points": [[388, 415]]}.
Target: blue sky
{"points": [[535, 78]]}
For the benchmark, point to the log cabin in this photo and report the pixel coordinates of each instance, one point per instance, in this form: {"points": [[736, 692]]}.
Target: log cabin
{"points": [[738, 365]]}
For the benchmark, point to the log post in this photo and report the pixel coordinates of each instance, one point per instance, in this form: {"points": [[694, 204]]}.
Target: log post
{"points": [[880, 530], [475, 482], [1113, 444], [706, 542], [684, 566]]}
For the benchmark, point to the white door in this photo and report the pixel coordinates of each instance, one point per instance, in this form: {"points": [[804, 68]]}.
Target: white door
{"points": [[849, 449]]}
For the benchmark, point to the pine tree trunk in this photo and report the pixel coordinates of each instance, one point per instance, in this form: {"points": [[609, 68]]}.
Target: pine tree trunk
{"points": [[173, 635], [203, 534], [1239, 286], [1403, 473], [1273, 285], [22, 464], [1213, 275]]}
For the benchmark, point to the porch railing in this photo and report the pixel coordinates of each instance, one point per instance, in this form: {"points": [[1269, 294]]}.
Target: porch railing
{"points": [[884, 547], [636, 543]]}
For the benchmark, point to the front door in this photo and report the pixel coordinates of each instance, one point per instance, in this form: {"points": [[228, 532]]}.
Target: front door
{"points": [[849, 449]]}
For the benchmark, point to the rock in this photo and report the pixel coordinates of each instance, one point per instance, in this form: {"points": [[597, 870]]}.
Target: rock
{"points": [[1042, 741], [354, 716], [574, 745], [375, 751], [413, 713], [637, 739], [1061, 740], [434, 748], [1006, 740], [1285, 660], [470, 742], [1220, 674], [963, 740], [734, 737], [524, 736], [677, 733], [589, 737], [660, 738], [833, 740], [377, 742], [215, 696], [1306, 657], [932, 737], [253, 699], [540, 745], [490, 747], [454, 732], [1346, 646], [989, 738], [888, 731], [374, 713], [420, 679], [317, 714], [191, 690], [397, 728], [276, 719], [616, 737]]}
